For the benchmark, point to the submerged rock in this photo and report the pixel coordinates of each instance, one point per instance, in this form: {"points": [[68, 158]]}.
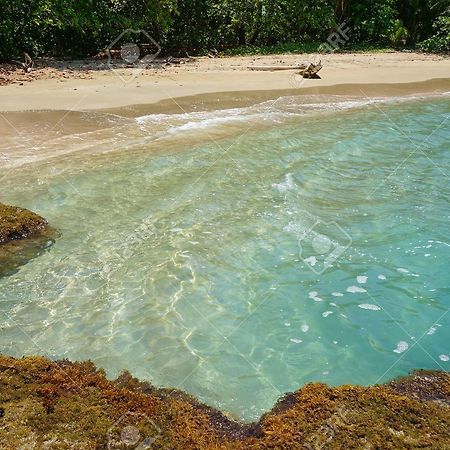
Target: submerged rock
{"points": [[65, 405], [19, 223], [24, 235]]}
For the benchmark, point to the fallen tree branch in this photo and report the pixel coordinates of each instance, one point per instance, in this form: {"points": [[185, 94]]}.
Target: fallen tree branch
{"points": [[273, 68], [28, 63]]}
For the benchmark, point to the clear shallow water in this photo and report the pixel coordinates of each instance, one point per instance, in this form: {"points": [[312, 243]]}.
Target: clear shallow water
{"points": [[242, 253]]}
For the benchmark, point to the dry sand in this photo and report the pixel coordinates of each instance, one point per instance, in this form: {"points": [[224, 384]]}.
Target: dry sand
{"points": [[91, 84]]}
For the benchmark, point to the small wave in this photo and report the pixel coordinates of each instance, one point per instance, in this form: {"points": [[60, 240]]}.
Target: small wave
{"points": [[190, 116], [213, 121], [272, 110]]}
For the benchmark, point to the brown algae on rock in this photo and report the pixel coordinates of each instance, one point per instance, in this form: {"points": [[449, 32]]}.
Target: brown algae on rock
{"points": [[18, 223], [65, 405], [24, 235]]}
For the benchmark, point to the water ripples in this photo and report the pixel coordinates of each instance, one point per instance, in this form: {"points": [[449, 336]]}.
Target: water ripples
{"points": [[189, 268]]}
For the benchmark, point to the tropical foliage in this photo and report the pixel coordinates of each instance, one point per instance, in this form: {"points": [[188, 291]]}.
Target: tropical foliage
{"points": [[85, 27], [440, 41]]}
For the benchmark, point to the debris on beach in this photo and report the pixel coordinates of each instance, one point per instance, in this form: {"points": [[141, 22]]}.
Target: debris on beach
{"points": [[310, 70]]}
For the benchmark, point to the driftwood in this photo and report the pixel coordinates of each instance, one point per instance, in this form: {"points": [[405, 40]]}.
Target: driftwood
{"points": [[311, 71], [305, 70], [171, 60], [28, 63], [272, 68], [213, 54]]}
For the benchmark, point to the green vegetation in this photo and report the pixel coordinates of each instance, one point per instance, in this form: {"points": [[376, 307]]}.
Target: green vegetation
{"points": [[64, 405], [440, 41], [74, 28], [307, 47]]}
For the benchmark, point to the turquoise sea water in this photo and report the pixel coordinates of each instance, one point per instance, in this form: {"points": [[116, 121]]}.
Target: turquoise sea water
{"points": [[239, 254]]}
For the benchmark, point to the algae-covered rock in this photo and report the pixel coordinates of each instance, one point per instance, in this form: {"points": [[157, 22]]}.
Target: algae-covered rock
{"points": [[18, 223], [65, 405], [23, 236]]}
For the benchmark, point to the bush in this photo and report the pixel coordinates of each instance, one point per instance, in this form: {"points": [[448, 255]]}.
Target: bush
{"points": [[440, 41], [399, 34], [372, 21], [75, 28]]}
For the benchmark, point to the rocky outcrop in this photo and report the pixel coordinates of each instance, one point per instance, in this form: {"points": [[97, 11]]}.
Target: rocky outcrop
{"points": [[18, 223], [23, 236], [65, 405]]}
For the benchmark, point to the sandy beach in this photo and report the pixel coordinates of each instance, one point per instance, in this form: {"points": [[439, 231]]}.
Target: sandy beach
{"points": [[91, 84]]}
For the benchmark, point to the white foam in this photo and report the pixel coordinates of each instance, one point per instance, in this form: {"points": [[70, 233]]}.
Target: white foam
{"points": [[207, 123], [402, 346], [355, 289], [327, 313], [369, 306], [312, 261], [432, 330], [361, 279], [296, 341], [294, 228], [313, 295], [287, 324], [305, 328], [286, 185], [402, 270], [444, 358], [337, 294], [381, 277], [191, 116]]}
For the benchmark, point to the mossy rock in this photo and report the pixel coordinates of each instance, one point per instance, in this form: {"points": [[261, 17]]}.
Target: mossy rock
{"points": [[23, 236], [19, 223], [65, 405]]}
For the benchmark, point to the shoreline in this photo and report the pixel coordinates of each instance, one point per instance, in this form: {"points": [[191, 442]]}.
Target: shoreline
{"points": [[242, 99], [84, 86], [48, 126]]}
